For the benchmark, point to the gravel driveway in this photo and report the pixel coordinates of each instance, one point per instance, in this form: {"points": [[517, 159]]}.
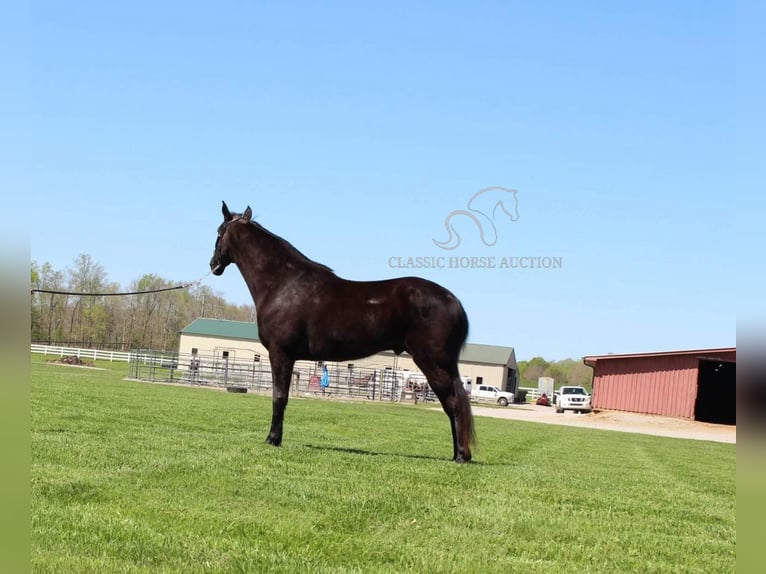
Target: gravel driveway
{"points": [[614, 420]]}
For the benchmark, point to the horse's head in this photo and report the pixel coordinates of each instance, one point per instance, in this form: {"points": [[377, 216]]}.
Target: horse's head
{"points": [[221, 256], [508, 204]]}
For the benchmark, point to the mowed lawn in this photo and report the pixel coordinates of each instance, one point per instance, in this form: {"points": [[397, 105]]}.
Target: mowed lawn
{"points": [[137, 477]]}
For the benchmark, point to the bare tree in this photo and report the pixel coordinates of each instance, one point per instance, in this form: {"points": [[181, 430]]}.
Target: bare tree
{"points": [[150, 320]]}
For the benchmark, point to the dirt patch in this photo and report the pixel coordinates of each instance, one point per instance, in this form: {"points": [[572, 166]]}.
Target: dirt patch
{"points": [[615, 421], [72, 361]]}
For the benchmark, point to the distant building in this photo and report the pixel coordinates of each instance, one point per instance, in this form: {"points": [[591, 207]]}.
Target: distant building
{"points": [[484, 364], [697, 384]]}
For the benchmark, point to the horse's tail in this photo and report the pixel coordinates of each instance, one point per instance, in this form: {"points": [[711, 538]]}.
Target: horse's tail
{"points": [[453, 238], [464, 414], [463, 410]]}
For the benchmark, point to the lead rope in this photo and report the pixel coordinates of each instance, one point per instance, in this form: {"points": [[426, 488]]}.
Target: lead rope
{"points": [[182, 286]]}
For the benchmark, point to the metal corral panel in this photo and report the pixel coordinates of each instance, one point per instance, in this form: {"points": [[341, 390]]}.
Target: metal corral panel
{"points": [[651, 383], [496, 365]]}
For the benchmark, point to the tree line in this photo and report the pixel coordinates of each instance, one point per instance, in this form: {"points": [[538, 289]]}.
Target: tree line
{"points": [[564, 372], [151, 320]]}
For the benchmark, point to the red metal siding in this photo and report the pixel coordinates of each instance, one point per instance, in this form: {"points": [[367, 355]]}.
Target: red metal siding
{"points": [[646, 385], [662, 384]]}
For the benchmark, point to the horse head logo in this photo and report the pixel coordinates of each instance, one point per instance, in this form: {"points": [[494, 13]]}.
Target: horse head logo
{"points": [[483, 210]]}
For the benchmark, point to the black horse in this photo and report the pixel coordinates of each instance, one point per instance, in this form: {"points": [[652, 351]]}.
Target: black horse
{"points": [[306, 312]]}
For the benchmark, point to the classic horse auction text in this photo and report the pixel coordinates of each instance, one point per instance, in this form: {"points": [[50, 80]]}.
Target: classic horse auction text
{"points": [[465, 262]]}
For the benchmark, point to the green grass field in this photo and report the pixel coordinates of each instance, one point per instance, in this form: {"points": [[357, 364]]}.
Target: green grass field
{"points": [[136, 477]]}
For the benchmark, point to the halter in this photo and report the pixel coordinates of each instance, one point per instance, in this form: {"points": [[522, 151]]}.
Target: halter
{"points": [[225, 224]]}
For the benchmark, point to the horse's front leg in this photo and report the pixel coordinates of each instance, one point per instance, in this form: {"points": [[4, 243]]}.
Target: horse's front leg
{"points": [[281, 372]]}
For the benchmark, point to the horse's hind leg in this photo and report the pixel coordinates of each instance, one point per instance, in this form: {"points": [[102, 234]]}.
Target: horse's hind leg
{"points": [[445, 382], [282, 372]]}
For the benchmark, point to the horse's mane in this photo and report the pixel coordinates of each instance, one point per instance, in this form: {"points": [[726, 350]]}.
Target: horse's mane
{"points": [[289, 252]]}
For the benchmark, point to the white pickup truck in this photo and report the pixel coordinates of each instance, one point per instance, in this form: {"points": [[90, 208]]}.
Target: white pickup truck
{"points": [[493, 394], [572, 399]]}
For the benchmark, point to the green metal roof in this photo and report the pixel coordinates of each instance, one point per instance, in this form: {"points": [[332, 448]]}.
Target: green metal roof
{"points": [[488, 354], [472, 353], [222, 328]]}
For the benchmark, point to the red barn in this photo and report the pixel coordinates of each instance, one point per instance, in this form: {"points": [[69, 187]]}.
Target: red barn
{"points": [[698, 384]]}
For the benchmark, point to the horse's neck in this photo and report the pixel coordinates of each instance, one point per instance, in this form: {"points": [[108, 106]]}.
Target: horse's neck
{"points": [[261, 260]]}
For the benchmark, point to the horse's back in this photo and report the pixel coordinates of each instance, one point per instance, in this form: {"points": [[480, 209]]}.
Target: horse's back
{"points": [[352, 319], [409, 298]]}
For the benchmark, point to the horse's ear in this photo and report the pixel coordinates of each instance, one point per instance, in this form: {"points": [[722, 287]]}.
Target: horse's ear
{"points": [[248, 215], [226, 213]]}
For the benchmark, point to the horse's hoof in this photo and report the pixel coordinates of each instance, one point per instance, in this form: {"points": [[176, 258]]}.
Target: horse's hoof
{"points": [[273, 441]]}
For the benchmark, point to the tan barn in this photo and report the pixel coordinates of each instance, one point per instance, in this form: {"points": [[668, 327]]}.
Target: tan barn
{"points": [[238, 341]]}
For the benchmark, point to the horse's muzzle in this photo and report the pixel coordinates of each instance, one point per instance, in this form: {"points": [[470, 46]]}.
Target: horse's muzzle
{"points": [[217, 266]]}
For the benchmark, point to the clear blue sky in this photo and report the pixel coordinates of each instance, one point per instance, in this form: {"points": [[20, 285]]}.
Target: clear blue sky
{"points": [[354, 130]]}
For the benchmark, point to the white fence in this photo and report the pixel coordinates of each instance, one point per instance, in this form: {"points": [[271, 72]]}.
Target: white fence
{"points": [[95, 354], [532, 393]]}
